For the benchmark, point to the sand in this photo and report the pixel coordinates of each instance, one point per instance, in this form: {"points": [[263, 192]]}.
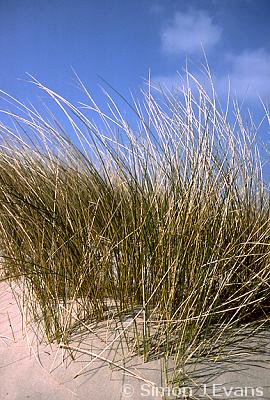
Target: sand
{"points": [[34, 371]]}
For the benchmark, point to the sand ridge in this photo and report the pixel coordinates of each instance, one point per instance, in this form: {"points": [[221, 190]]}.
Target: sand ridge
{"points": [[33, 370]]}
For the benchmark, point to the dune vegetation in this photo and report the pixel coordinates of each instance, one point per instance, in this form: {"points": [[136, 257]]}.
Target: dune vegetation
{"points": [[160, 225]]}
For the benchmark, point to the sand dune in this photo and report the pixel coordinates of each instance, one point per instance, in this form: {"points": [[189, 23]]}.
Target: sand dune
{"points": [[30, 370]]}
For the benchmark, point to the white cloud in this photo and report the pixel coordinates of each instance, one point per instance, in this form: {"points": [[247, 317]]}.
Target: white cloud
{"points": [[169, 82], [181, 83], [189, 31], [249, 74], [156, 8]]}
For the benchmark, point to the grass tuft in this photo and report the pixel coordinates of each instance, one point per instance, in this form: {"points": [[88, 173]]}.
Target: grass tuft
{"points": [[163, 229]]}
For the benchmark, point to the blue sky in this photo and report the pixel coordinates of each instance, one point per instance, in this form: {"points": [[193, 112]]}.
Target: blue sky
{"points": [[121, 40]]}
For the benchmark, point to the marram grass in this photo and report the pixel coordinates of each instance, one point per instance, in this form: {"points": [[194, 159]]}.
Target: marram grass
{"points": [[163, 228]]}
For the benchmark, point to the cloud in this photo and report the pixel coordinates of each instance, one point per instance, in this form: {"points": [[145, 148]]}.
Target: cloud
{"points": [[189, 31], [249, 74], [156, 8], [169, 82], [180, 83]]}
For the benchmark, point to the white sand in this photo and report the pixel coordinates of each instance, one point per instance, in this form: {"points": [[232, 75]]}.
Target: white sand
{"points": [[39, 372], [35, 371]]}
